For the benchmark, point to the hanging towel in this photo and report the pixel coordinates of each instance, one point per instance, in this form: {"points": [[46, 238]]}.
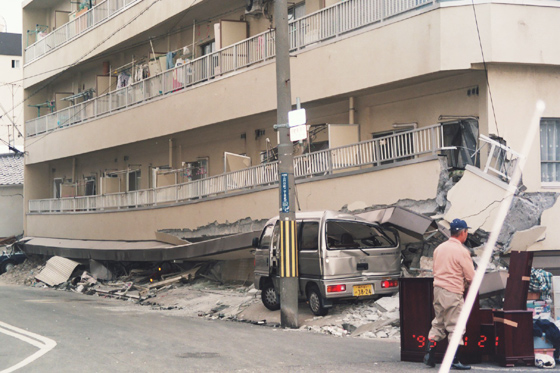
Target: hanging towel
{"points": [[170, 63]]}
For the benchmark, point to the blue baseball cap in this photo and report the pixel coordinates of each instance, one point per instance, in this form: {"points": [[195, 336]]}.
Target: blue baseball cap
{"points": [[458, 225]]}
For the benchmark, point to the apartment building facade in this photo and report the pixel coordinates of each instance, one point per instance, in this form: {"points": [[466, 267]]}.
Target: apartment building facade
{"points": [[150, 115]]}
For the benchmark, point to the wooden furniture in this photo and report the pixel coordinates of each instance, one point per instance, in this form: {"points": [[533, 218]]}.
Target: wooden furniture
{"points": [[517, 287], [416, 314], [514, 337]]}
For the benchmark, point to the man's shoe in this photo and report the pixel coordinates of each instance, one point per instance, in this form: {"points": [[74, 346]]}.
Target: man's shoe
{"points": [[429, 358], [458, 366]]}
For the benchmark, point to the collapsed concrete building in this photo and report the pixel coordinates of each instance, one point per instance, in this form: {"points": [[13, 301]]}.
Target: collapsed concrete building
{"points": [[166, 125]]}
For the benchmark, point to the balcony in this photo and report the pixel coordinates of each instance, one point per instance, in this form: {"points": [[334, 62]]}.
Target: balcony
{"points": [[323, 25], [81, 24], [371, 155]]}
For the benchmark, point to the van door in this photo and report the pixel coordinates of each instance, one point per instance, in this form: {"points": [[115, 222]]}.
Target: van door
{"points": [[308, 247], [262, 254], [355, 248], [275, 250]]}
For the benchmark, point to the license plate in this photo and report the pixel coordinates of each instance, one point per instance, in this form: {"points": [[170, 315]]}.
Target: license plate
{"points": [[362, 290]]}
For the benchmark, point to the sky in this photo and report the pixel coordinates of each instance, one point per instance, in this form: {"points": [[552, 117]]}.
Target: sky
{"points": [[10, 10]]}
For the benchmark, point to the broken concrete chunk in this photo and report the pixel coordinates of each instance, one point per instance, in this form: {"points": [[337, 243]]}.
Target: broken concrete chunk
{"points": [[427, 263], [57, 271], [389, 304], [522, 240]]}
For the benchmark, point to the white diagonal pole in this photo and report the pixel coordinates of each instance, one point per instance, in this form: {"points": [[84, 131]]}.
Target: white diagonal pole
{"points": [[489, 247]]}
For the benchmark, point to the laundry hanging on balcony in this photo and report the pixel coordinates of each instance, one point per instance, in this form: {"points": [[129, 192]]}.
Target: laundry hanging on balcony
{"points": [[123, 80]]}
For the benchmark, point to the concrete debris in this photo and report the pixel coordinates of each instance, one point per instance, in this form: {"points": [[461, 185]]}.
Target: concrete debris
{"points": [[427, 264], [388, 304], [100, 271], [57, 271]]}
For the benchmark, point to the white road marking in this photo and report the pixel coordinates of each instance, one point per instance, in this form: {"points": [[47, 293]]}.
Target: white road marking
{"points": [[44, 344]]}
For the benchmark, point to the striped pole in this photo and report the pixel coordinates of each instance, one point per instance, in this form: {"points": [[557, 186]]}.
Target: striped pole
{"points": [[288, 249]]}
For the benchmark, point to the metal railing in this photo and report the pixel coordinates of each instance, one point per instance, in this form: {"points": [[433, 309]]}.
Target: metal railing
{"points": [[372, 153], [76, 27], [319, 26], [501, 160]]}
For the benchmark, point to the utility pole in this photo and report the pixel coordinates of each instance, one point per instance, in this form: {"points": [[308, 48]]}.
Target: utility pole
{"points": [[289, 280]]}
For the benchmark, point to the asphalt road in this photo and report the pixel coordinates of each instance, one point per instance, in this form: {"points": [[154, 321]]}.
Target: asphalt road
{"points": [[93, 334]]}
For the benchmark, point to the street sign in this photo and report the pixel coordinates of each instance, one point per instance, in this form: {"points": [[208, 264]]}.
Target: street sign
{"points": [[296, 117], [298, 133], [285, 192]]}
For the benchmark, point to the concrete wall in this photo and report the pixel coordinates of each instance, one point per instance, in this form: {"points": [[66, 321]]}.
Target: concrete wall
{"points": [[379, 187], [516, 90], [11, 207], [478, 209]]}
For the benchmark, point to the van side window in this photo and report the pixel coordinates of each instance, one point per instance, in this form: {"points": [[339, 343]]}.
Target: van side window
{"points": [[309, 236], [349, 234], [266, 238]]}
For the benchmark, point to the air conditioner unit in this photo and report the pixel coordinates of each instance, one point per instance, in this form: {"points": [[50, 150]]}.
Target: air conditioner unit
{"points": [[254, 7]]}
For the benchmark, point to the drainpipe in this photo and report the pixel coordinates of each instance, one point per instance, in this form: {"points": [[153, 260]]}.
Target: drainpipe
{"points": [[351, 110], [171, 153], [74, 176]]}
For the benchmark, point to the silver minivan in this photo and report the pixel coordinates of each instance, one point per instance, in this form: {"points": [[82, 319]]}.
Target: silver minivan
{"points": [[341, 256]]}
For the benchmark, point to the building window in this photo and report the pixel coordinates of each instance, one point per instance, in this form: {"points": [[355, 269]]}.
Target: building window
{"points": [[15, 64], [207, 48], [296, 11], [463, 136], [550, 150]]}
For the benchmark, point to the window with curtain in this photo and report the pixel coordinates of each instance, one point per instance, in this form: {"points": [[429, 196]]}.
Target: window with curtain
{"points": [[550, 150]]}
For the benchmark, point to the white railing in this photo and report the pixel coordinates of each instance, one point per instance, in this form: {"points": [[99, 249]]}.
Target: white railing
{"points": [[77, 26], [501, 160], [372, 153], [319, 26]]}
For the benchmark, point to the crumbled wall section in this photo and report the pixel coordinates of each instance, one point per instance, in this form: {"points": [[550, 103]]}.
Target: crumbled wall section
{"points": [[215, 229], [525, 212]]}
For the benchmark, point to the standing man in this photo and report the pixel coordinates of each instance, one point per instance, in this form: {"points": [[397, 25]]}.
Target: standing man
{"points": [[453, 273]]}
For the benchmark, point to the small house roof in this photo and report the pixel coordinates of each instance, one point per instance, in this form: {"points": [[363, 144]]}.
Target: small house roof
{"points": [[11, 169]]}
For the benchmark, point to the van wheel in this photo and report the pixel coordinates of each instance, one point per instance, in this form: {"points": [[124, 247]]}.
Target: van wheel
{"points": [[316, 301], [269, 297]]}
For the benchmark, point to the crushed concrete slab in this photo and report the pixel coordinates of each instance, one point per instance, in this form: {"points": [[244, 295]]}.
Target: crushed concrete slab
{"points": [[522, 240], [374, 327], [100, 271], [57, 271], [389, 304]]}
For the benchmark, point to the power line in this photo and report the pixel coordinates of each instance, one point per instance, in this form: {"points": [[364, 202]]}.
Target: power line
{"points": [[485, 69]]}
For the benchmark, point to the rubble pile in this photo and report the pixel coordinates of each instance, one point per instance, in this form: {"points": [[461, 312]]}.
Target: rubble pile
{"points": [[24, 274], [365, 319], [197, 293]]}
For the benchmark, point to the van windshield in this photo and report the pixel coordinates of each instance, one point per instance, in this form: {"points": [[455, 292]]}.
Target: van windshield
{"points": [[351, 234]]}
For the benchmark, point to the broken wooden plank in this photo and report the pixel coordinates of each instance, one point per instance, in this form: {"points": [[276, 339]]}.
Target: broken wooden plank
{"points": [[187, 275]]}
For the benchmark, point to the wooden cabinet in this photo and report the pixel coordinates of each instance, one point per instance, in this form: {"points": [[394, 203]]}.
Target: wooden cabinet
{"points": [[514, 338], [517, 286], [417, 312]]}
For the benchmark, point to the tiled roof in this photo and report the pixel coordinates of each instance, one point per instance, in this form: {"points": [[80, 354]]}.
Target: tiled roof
{"points": [[11, 169]]}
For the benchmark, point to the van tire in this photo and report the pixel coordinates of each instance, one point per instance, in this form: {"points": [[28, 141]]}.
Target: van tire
{"points": [[315, 301], [269, 296]]}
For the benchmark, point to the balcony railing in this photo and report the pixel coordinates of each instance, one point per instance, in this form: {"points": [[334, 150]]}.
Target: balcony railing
{"points": [[76, 27], [381, 151], [502, 159], [316, 27]]}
